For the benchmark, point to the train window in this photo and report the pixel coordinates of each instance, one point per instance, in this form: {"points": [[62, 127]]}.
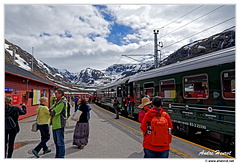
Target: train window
{"points": [[167, 88], [195, 87], [149, 89], [138, 91], [137, 95], [228, 84]]}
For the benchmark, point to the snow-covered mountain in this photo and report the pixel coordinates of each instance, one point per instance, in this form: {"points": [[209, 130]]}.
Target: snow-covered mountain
{"points": [[86, 77], [93, 77], [117, 71], [215, 42]]}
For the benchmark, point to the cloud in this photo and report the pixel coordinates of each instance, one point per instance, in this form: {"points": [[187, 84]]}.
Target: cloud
{"points": [[75, 37]]}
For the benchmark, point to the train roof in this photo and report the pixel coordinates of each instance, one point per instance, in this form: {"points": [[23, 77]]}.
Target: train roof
{"points": [[118, 82], [206, 60]]}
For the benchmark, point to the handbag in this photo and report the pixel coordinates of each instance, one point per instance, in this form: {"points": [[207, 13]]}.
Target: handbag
{"points": [[76, 115], [34, 127]]}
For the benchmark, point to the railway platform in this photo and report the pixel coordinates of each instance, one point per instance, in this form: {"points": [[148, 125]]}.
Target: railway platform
{"points": [[109, 138]]}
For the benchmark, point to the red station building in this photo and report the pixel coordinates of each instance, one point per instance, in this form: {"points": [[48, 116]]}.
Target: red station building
{"points": [[26, 87]]}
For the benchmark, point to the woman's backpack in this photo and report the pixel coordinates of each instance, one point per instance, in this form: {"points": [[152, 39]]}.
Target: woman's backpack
{"points": [[159, 130]]}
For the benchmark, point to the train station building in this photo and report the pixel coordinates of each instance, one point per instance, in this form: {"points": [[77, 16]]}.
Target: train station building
{"points": [[26, 87]]}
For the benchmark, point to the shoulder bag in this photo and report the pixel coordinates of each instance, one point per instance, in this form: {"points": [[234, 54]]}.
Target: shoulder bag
{"points": [[76, 115], [34, 125]]}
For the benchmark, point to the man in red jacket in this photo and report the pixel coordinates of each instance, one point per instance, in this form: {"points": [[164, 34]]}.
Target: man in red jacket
{"points": [[153, 151], [129, 103]]}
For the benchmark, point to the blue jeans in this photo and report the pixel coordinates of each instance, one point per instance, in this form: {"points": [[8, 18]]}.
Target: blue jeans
{"points": [[116, 111], [58, 137], [129, 110], [155, 154]]}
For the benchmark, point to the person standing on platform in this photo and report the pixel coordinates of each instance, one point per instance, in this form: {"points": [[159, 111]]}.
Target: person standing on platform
{"points": [[43, 121], [11, 125], [81, 132], [76, 101], [115, 106], [89, 108], [58, 113], [129, 103], [156, 127], [145, 106]]}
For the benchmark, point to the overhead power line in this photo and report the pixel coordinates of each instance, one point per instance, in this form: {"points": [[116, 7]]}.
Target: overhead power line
{"points": [[199, 32], [182, 16], [166, 26], [193, 21]]}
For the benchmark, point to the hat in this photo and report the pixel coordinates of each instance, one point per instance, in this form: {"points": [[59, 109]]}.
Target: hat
{"points": [[145, 101]]}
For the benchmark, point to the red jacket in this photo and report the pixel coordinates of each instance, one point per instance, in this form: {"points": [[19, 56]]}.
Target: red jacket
{"points": [[141, 115], [131, 100], [147, 118]]}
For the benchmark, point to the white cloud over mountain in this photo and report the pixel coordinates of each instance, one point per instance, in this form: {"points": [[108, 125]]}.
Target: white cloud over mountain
{"points": [[74, 37]]}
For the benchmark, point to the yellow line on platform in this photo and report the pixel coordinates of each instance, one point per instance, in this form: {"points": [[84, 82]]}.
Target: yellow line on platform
{"points": [[136, 130], [173, 136], [202, 146], [118, 121]]}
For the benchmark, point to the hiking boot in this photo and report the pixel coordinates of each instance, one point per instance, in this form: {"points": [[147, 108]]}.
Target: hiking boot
{"points": [[47, 151], [35, 153]]}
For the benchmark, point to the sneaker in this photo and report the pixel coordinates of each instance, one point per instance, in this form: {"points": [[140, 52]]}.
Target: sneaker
{"points": [[47, 151], [35, 153], [81, 147]]}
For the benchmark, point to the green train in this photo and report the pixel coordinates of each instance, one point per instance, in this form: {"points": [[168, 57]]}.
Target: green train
{"points": [[198, 93]]}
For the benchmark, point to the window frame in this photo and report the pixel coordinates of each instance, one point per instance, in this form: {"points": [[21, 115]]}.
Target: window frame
{"points": [[160, 90], [221, 77], [153, 94], [195, 98]]}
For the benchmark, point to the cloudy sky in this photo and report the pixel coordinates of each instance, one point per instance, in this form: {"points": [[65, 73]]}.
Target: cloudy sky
{"points": [[74, 37]]}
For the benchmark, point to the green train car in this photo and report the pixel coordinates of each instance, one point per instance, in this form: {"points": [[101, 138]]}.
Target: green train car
{"points": [[198, 93]]}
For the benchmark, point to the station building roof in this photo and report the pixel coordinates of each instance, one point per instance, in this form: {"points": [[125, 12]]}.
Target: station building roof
{"points": [[17, 71]]}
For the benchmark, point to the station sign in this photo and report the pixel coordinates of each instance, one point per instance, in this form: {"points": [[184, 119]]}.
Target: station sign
{"points": [[8, 89], [15, 99]]}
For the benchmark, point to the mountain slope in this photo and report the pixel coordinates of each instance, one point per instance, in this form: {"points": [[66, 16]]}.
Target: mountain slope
{"points": [[216, 42], [93, 77]]}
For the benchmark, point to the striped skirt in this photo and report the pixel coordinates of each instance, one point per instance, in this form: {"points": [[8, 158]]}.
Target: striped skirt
{"points": [[81, 134]]}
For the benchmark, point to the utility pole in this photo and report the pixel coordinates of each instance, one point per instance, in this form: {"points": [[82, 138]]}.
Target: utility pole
{"points": [[32, 57], [155, 48]]}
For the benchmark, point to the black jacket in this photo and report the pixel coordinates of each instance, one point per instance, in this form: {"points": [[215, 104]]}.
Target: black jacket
{"points": [[115, 103], [14, 112], [84, 115]]}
